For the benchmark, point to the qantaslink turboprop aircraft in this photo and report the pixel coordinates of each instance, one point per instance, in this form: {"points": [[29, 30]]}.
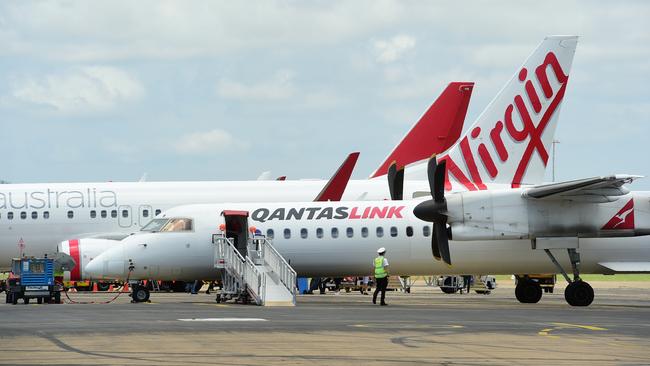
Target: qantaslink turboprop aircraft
{"points": [[519, 145], [593, 225]]}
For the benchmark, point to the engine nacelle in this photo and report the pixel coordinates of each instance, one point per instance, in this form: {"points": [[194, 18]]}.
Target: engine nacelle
{"points": [[83, 251]]}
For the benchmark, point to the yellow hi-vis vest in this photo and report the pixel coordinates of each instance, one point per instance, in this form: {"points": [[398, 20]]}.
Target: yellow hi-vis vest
{"points": [[380, 272]]}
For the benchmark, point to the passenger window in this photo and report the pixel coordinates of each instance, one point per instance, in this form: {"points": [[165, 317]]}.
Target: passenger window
{"points": [[177, 225], [409, 231], [270, 234], [93, 214], [335, 233], [380, 232], [287, 233], [10, 215], [103, 214], [319, 233], [393, 231], [349, 232], [364, 232], [426, 231], [125, 213], [303, 233], [23, 215], [46, 214], [34, 215], [157, 212], [145, 213], [70, 214], [114, 213]]}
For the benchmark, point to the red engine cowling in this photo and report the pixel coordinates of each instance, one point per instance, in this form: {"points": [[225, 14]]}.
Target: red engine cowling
{"points": [[83, 251]]}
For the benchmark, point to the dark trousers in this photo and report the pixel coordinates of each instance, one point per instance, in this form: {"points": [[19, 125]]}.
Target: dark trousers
{"points": [[382, 283]]}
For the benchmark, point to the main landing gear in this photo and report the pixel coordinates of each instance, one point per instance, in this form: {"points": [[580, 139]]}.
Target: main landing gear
{"points": [[577, 292]]}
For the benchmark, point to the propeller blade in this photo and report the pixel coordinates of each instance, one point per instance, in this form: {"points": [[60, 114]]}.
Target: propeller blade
{"points": [[435, 249], [440, 232], [395, 182], [431, 173], [439, 182]]}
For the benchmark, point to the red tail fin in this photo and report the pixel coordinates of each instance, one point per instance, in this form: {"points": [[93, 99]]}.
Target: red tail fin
{"points": [[335, 187], [436, 131]]}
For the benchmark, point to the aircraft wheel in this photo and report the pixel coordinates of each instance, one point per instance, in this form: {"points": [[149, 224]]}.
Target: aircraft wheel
{"points": [[579, 293], [528, 292], [140, 294]]}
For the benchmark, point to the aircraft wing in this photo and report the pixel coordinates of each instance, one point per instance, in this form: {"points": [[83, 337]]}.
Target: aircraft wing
{"points": [[335, 187], [596, 189], [632, 267]]}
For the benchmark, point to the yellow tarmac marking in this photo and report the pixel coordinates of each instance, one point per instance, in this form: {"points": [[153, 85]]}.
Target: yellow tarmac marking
{"points": [[546, 332], [217, 305]]}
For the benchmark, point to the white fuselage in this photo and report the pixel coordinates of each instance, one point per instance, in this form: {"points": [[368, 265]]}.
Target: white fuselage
{"points": [[34, 218], [190, 255]]}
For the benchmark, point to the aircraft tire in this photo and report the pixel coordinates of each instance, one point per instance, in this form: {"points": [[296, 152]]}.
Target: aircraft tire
{"points": [[579, 293], [528, 292], [140, 294]]}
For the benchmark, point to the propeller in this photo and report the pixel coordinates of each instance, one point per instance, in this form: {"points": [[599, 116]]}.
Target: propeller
{"points": [[435, 210], [396, 182]]}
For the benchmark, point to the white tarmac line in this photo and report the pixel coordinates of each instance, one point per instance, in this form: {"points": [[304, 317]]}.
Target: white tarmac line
{"points": [[223, 320]]}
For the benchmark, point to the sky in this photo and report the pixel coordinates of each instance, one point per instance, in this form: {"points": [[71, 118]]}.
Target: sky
{"points": [[224, 90]]}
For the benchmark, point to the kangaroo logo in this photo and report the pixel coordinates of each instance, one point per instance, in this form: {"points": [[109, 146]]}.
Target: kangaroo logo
{"points": [[624, 218]]}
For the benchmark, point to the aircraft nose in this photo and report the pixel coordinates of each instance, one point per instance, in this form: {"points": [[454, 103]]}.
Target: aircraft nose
{"points": [[108, 265]]}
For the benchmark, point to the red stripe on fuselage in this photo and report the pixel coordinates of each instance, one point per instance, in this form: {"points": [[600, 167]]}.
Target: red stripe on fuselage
{"points": [[75, 274]]}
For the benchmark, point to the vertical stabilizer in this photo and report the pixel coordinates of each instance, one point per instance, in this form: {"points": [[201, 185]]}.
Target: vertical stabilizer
{"points": [[510, 141]]}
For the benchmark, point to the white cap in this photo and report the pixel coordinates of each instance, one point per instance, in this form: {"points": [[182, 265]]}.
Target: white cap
{"points": [[381, 250]]}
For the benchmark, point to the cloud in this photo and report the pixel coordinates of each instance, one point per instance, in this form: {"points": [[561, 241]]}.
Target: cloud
{"points": [[280, 86], [393, 49], [80, 90], [216, 140]]}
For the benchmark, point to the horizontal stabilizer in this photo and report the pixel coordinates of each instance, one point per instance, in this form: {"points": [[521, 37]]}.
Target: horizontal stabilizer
{"points": [[596, 189]]}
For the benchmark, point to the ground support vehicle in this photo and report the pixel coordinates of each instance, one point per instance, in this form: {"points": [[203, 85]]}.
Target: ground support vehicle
{"points": [[33, 278]]}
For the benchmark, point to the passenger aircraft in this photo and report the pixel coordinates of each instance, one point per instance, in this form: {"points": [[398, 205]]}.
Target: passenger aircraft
{"points": [[34, 218], [592, 225]]}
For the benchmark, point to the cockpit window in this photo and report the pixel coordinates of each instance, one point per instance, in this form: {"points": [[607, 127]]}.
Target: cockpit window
{"points": [[177, 225], [155, 225], [168, 225]]}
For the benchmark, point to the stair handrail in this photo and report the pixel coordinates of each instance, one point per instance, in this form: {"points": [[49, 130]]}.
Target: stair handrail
{"points": [[278, 264]]}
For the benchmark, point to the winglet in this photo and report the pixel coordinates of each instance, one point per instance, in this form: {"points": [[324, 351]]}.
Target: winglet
{"points": [[436, 131], [333, 190]]}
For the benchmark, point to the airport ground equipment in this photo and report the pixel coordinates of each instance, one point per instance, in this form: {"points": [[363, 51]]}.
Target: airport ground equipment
{"points": [[481, 284], [33, 278], [261, 275]]}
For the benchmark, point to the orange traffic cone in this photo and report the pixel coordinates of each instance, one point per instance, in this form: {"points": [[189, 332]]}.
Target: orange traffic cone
{"points": [[72, 289], [110, 288], [95, 289], [126, 288]]}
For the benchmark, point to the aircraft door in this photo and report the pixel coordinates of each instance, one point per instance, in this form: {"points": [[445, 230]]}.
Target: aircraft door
{"points": [[237, 229], [145, 214], [124, 216]]}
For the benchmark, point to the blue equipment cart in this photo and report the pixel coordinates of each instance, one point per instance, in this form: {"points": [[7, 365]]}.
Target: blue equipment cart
{"points": [[33, 278]]}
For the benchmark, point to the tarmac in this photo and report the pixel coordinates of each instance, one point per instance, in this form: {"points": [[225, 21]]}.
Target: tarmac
{"points": [[423, 327]]}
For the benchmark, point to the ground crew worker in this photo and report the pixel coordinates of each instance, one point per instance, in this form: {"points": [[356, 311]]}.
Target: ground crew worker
{"points": [[381, 276]]}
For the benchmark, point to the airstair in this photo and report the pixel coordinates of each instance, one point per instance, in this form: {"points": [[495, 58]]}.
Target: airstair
{"points": [[261, 275]]}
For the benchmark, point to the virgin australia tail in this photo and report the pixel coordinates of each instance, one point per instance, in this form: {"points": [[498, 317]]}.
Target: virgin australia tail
{"points": [[509, 142]]}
